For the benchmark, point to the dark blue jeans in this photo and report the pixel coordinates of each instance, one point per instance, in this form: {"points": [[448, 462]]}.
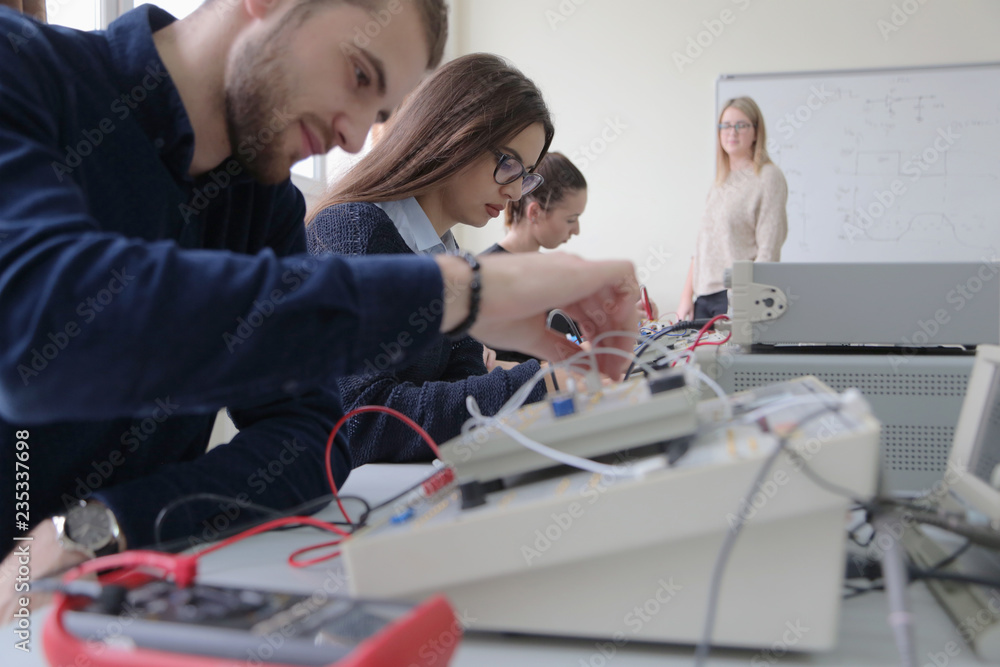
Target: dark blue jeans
{"points": [[708, 306]]}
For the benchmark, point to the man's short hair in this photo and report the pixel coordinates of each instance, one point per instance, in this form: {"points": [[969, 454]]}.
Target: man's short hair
{"points": [[433, 15]]}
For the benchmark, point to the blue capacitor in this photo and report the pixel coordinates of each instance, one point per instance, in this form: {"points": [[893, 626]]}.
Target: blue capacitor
{"points": [[563, 405], [403, 516]]}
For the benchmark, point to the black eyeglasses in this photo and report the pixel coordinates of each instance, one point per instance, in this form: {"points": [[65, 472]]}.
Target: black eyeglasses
{"points": [[509, 169], [739, 126]]}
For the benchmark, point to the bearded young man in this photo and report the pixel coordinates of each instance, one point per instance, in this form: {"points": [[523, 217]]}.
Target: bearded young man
{"points": [[152, 265]]}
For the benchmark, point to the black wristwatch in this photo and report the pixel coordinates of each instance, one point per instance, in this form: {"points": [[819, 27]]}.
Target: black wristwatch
{"points": [[90, 528], [475, 287]]}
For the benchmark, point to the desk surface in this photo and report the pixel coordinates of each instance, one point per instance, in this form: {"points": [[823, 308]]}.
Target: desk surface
{"points": [[260, 562]]}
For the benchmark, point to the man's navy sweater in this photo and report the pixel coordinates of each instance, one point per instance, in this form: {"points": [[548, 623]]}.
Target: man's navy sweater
{"points": [[135, 301]]}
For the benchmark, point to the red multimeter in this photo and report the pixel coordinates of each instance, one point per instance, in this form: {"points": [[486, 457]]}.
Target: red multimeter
{"points": [[159, 624]]}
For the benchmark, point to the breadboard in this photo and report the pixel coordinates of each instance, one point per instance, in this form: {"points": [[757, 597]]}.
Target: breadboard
{"points": [[611, 420]]}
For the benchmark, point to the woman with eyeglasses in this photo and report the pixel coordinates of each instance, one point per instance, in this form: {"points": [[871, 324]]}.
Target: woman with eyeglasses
{"points": [[464, 144], [547, 218], [745, 214], [550, 215]]}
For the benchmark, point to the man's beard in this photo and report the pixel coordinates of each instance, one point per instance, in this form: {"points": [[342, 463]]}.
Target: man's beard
{"points": [[257, 92]]}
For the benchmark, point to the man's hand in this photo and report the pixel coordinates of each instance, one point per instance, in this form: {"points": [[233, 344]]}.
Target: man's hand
{"points": [[45, 556], [518, 290]]}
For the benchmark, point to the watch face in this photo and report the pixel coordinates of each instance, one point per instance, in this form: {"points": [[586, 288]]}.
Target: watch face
{"points": [[89, 526]]}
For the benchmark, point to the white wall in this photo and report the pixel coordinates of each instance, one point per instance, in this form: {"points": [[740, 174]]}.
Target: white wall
{"points": [[610, 64]]}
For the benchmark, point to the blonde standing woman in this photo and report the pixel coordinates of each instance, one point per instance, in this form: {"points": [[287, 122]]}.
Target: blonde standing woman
{"points": [[745, 214]]}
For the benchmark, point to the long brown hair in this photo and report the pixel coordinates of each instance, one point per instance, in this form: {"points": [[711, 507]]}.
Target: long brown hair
{"points": [[561, 177], [760, 156], [470, 106]]}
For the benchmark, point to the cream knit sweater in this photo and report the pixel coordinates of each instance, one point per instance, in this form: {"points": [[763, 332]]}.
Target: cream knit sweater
{"points": [[744, 219]]}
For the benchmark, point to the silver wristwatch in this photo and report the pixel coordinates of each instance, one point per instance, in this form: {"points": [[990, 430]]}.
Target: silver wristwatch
{"points": [[89, 528]]}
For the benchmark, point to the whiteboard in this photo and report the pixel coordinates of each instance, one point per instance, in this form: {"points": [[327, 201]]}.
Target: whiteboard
{"points": [[884, 165]]}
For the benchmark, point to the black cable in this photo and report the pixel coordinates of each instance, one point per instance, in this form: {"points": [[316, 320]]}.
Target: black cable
{"points": [[983, 535], [953, 576], [307, 507], [948, 560], [404, 492], [915, 573], [683, 324], [570, 324], [177, 502], [858, 591], [922, 517]]}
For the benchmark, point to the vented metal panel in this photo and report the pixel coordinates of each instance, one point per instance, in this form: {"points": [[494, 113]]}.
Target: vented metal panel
{"points": [[918, 404], [867, 383], [916, 448]]}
